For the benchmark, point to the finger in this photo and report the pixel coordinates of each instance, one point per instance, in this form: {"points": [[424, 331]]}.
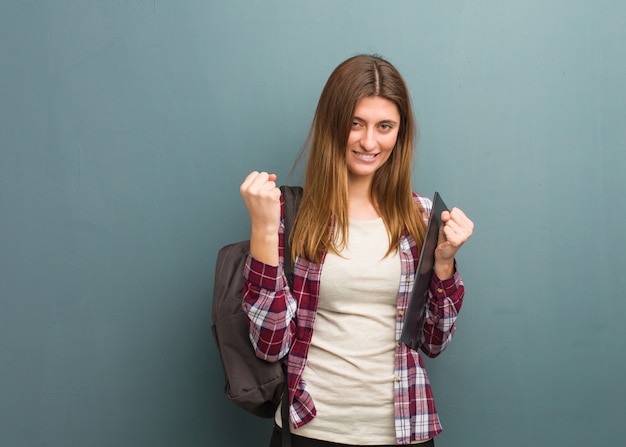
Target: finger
{"points": [[276, 193], [248, 180], [457, 212], [260, 182], [459, 216], [460, 226], [451, 232], [456, 234], [264, 178], [264, 188], [445, 216], [270, 188]]}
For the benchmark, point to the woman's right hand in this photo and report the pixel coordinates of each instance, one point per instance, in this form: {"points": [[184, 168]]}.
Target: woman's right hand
{"points": [[262, 198]]}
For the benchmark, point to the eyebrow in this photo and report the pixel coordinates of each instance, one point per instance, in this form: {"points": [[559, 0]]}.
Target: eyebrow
{"points": [[385, 121]]}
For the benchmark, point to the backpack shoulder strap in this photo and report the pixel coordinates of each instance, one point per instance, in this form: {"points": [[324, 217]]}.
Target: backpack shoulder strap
{"points": [[291, 198]]}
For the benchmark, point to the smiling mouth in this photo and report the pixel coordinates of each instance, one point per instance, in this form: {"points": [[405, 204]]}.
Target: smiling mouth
{"points": [[365, 156]]}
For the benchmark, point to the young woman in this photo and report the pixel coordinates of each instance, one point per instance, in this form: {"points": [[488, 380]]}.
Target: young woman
{"points": [[356, 244]]}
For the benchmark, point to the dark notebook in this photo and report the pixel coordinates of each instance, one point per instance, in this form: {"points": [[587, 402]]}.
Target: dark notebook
{"points": [[414, 321]]}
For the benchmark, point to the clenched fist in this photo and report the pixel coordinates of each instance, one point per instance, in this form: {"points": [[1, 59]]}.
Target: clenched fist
{"points": [[455, 230], [262, 198]]}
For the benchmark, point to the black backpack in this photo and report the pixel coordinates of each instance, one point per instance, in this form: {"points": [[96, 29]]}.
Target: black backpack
{"points": [[251, 383]]}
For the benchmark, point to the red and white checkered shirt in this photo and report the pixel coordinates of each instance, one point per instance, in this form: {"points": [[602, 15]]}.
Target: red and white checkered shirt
{"points": [[281, 323]]}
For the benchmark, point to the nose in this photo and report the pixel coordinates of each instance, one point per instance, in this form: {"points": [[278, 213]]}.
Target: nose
{"points": [[368, 140]]}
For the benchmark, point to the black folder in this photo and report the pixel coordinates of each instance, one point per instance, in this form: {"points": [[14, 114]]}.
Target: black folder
{"points": [[414, 320]]}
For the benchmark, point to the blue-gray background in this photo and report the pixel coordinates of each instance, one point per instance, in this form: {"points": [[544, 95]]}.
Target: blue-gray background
{"points": [[127, 126]]}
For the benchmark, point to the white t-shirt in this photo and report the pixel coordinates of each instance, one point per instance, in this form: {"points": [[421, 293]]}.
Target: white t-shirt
{"points": [[349, 371]]}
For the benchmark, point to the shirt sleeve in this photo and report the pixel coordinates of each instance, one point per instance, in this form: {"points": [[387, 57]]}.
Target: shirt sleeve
{"points": [[444, 304], [269, 306]]}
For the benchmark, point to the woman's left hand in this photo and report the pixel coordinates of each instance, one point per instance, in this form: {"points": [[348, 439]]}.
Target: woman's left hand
{"points": [[456, 228]]}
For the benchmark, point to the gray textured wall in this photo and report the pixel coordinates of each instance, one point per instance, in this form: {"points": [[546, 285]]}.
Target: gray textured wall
{"points": [[127, 126]]}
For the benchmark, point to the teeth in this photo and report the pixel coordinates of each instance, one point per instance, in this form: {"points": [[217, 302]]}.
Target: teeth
{"points": [[365, 156]]}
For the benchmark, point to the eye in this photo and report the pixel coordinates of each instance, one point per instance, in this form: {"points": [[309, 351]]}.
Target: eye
{"points": [[355, 124], [386, 127]]}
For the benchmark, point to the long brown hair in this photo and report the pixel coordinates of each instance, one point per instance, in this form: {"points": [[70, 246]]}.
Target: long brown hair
{"points": [[322, 220]]}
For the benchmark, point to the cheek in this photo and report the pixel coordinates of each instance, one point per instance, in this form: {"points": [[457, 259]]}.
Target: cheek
{"points": [[390, 142], [353, 138]]}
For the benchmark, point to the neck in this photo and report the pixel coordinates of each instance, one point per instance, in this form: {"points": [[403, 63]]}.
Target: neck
{"points": [[359, 194]]}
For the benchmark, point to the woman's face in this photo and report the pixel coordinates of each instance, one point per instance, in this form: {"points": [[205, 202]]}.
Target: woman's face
{"points": [[373, 135]]}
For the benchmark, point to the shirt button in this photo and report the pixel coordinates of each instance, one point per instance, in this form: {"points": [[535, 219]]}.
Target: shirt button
{"points": [[397, 379], [400, 313], [439, 290], [397, 344]]}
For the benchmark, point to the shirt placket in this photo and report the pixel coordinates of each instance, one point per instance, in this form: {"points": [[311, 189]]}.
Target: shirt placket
{"points": [[401, 376]]}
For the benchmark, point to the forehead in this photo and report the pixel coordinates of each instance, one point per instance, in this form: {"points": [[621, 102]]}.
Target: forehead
{"points": [[376, 108]]}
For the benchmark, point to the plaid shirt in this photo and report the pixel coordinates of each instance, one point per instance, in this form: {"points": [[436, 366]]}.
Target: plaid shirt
{"points": [[281, 323]]}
